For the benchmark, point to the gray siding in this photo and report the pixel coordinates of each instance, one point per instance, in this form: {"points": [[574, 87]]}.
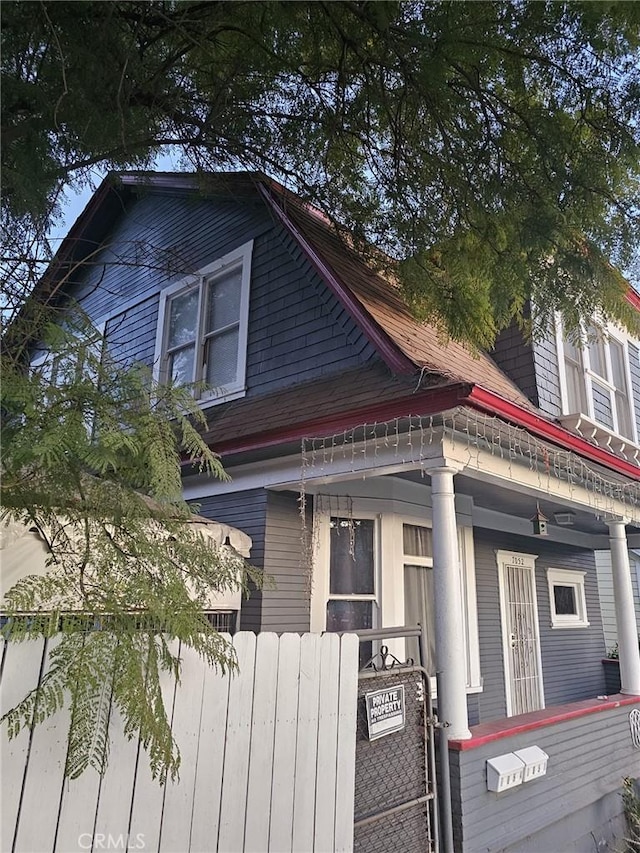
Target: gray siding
{"points": [[634, 365], [514, 356], [570, 656], [285, 606], [602, 407], [545, 359], [272, 519], [298, 330], [246, 511], [574, 807], [159, 239]]}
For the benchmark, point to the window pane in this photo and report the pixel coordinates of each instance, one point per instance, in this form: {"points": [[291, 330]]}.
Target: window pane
{"points": [[417, 540], [619, 378], [222, 359], [572, 352], [348, 615], [223, 300], [596, 352], [565, 600], [181, 365], [183, 319], [624, 415], [419, 607], [575, 389], [351, 566]]}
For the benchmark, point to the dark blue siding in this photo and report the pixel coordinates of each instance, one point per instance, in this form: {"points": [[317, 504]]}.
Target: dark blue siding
{"points": [[602, 407], [161, 239], [570, 657], [298, 330], [514, 356], [634, 364], [247, 512], [545, 358]]}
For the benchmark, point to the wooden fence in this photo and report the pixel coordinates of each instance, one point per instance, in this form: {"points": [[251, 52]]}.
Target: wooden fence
{"points": [[267, 759]]}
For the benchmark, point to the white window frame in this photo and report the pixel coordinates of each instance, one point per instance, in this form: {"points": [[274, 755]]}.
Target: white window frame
{"points": [[238, 258], [321, 588], [574, 579], [589, 376], [389, 576]]}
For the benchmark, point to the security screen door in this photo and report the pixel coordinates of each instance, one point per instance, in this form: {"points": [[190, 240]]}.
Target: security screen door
{"points": [[520, 636]]}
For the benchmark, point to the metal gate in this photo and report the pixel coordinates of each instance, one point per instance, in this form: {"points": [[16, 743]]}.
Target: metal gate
{"points": [[395, 782]]}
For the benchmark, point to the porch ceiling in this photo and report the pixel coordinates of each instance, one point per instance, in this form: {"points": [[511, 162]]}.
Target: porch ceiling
{"points": [[513, 503]]}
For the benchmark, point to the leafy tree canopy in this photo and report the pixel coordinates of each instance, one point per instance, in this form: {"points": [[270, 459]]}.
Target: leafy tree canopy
{"points": [[91, 457], [491, 148]]}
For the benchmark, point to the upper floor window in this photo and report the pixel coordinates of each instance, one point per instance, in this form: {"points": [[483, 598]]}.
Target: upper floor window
{"points": [[594, 373], [202, 331]]}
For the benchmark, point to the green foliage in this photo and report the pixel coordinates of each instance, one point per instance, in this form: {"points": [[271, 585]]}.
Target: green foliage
{"points": [[91, 459], [631, 802], [492, 148]]}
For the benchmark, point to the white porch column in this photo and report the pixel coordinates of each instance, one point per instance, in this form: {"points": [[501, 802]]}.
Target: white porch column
{"points": [[625, 612], [450, 646]]}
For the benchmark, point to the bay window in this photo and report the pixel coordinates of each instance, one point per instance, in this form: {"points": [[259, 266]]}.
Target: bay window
{"points": [[595, 379]]}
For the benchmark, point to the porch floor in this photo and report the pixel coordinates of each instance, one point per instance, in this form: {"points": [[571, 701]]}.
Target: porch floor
{"points": [[508, 726]]}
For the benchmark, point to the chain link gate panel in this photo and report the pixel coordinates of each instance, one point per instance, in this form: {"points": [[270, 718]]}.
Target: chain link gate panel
{"points": [[395, 784]]}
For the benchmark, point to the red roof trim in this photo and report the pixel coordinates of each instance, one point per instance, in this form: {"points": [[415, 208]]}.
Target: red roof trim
{"points": [[634, 298], [428, 402], [395, 359], [487, 401], [432, 402], [511, 726]]}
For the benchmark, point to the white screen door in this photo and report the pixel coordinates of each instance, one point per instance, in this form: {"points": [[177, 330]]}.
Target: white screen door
{"points": [[520, 636]]}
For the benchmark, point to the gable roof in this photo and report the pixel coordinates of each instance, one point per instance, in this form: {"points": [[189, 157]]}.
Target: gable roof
{"points": [[421, 363], [403, 342]]}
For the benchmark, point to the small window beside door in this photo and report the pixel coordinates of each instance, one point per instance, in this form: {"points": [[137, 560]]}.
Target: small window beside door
{"points": [[567, 599]]}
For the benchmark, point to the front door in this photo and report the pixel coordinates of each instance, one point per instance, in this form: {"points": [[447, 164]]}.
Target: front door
{"points": [[520, 635]]}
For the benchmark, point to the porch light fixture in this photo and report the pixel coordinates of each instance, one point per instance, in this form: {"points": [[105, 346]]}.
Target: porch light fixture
{"points": [[539, 523], [564, 519]]}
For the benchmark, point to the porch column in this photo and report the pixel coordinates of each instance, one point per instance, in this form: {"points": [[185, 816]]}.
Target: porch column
{"points": [[450, 646], [625, 612]]}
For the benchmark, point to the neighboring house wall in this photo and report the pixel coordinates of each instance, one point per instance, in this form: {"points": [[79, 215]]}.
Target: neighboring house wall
{"points": [[605, 588]]}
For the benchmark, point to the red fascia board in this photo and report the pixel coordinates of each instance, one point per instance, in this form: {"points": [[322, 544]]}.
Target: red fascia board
{"points": [[512, 726], [634, 298], [487, 401], [395, 359], [425, 403]]}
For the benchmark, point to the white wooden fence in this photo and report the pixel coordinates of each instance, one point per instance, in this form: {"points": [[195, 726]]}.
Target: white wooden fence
{"points": [[267, 759]]}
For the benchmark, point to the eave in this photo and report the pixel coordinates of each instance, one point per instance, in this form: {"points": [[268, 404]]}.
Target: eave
{"points": [[431, 403]]}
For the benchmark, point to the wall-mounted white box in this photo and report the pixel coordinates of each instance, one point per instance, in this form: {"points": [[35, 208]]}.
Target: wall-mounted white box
{"points": [[534, 760], [504, 771]]}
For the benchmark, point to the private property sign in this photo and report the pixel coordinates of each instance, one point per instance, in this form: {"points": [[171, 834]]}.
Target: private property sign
{"points": [[385, 711]]}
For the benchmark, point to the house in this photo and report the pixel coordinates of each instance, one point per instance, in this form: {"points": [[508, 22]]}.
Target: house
{"points": [[386, 478]]}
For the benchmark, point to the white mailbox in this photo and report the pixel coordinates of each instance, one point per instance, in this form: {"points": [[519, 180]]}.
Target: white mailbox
{"points": [[534, 760], [504, 771]]}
